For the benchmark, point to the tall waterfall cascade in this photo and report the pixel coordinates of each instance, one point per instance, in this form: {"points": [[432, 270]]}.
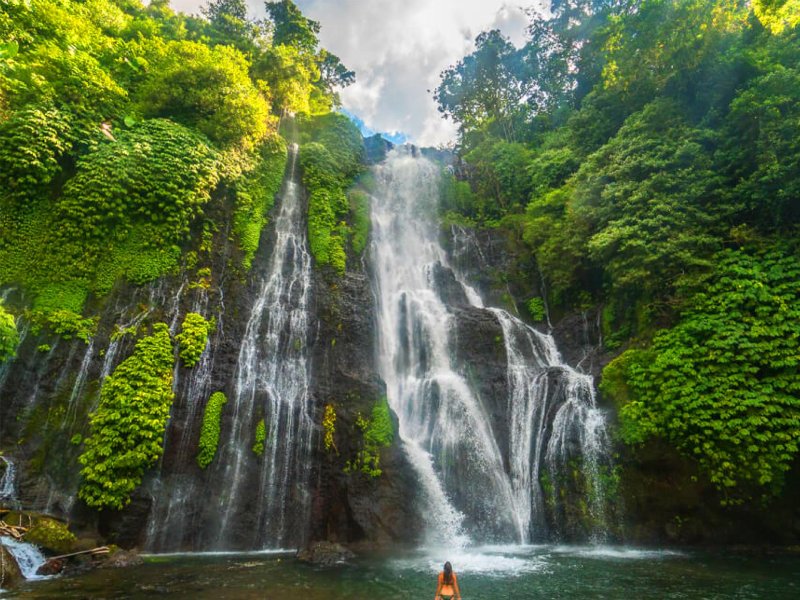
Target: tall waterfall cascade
{"points": [[476, 484], [271, 381]]}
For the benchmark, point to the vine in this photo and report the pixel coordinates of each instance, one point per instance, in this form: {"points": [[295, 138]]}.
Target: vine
{"points": [[329, 426], [127, 427]]}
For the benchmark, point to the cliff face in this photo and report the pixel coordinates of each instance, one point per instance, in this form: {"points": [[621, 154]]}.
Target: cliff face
{"points": [[49, 390], [53, 385], [662, 497]]}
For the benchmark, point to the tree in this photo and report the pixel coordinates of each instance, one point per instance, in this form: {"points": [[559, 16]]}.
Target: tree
{"points": [[485, 89], [229, 24], [291, 28], [207, 88]]}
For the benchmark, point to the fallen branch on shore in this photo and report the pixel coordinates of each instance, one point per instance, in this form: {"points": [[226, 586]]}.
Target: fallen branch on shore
{"points": [[99, 551], [13, 531]]}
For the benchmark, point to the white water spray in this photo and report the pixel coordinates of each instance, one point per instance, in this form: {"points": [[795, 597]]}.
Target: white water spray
{"points": [[271, 381], [473, 485]]}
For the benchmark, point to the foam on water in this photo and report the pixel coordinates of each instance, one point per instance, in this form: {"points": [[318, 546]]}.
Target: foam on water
{"points": [[29, 558], [615, 552]]}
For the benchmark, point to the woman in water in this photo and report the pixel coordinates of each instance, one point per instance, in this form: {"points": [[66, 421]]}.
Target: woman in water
{"points": [[447, 588]]}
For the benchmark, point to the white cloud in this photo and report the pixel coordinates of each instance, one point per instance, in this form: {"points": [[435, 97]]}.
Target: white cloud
{"points": [[398, 48]]}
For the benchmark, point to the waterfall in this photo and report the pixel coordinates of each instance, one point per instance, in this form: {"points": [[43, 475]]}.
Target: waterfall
{"points": [[271, 382], [443, 425], [176, 490], [475, 484], [29, 558], [8, 482]]}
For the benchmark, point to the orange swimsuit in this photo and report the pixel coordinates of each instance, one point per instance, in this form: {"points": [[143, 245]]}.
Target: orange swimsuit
{"points": [[445, 590]]}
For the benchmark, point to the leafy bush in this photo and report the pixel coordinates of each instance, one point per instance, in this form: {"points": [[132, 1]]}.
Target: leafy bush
{"points": [[723, 384], [330, 162], [209, 433], [193, 338], [536, 309], [255, 195], [127, 427], [31, 143], [207, 88], [66, 323]]}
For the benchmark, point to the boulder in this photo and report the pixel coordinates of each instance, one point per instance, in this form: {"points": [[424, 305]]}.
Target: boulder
{"points": [[51, 536], [324, 554], [53, 566], [122, 559], [10, 573]]}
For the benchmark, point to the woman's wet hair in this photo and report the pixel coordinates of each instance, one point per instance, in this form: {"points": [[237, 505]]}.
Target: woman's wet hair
{"points": [[448, 574]]}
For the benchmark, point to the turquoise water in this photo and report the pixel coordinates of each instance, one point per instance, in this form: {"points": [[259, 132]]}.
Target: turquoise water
{"points": [[489, 573]]}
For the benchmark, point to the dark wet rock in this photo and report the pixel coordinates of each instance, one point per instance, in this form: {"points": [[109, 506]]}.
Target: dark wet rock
{"points": [[354, 507], [447, 286], [10, 574], [479, 347], [122, 559], [52, 566], [376, 148], [324, 554]]}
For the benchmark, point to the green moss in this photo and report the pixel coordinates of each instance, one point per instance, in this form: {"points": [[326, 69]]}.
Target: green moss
{"points": [[255, 195], [193, 338], [260, 438], [359, 209], [127, 428], [209, 433], [536, 309], [9, 336], [377, 433], [330, 160], [51, 535]]}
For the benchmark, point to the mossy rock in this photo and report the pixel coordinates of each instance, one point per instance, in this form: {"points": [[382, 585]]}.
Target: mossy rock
{"points": [[10, 573], [51, 536]]}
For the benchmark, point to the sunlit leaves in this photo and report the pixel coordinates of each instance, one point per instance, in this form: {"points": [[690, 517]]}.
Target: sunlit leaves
{"points": [[127, 428], [9, 336], [206, 88], [723, 385]]}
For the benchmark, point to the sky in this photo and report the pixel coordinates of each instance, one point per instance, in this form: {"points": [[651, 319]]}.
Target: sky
{"points": [[397, 49]]}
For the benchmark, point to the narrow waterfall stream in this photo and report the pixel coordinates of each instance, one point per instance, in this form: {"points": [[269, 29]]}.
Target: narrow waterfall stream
{"points": [[271, 382], [476, 485]]}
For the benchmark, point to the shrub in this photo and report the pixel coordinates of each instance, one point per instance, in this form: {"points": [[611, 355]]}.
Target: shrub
{"points": [[193, 338], [723, 384], [127, 427], [209, 433]]}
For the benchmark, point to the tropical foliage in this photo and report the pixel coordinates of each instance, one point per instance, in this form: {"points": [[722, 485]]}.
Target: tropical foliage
{"points": [[645, 155], [127, 427], [209, 433]]}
